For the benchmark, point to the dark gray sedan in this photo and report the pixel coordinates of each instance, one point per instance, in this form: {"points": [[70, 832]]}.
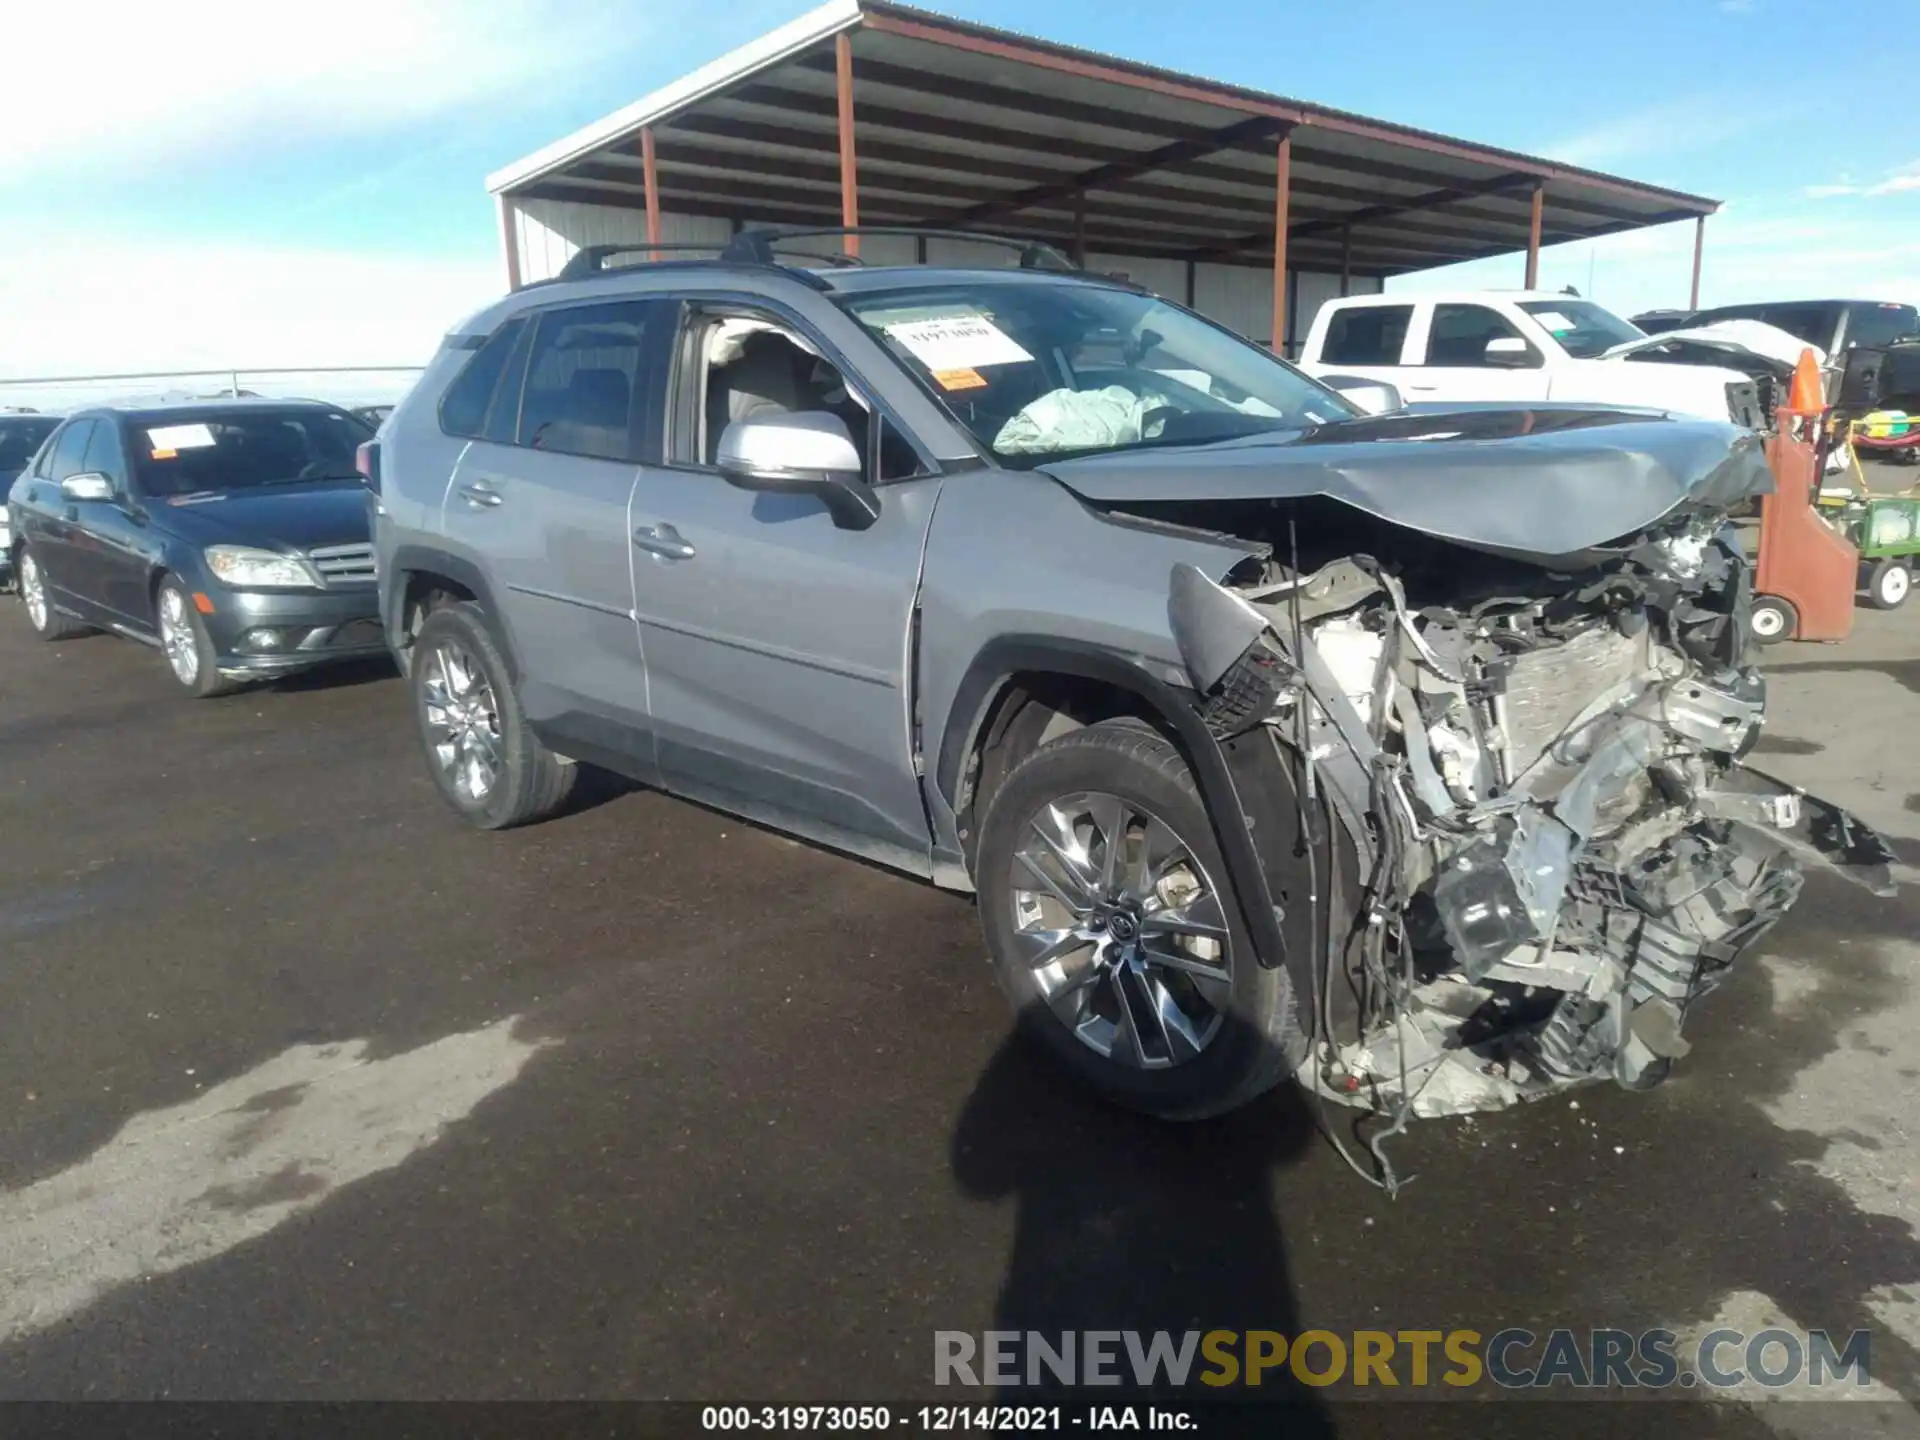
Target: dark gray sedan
{"points": [[231, 535]]}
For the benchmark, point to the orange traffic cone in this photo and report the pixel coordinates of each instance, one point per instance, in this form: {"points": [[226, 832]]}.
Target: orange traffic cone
{"points": [[1806, 397]]}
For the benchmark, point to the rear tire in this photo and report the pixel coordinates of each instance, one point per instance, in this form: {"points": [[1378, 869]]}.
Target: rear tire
{"points": [[1772, 620], [484, 757], [47, 622], [1889, 584], [1121, 1019]]}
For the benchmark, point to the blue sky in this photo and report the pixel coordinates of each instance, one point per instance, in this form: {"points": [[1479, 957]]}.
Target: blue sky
{"points": [[243, 184]]}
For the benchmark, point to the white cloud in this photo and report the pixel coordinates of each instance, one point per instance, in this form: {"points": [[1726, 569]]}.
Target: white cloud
{"points": [[139, 83], [123, 307], [1895, 182]]}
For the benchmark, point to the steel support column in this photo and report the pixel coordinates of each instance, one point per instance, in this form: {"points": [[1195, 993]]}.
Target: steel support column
{"points": [[1699, 247], [1283, 186], [510, 240], [1346, 261], [1080, 228], [651, 179], [1533, 236], [849, 173]]}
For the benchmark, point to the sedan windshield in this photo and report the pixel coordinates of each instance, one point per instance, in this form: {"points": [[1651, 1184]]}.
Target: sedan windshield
{"points": [[1038, 370], [195, 451], [1583, 328]]}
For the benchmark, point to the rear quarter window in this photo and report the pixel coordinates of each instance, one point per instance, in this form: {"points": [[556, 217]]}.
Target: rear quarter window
{"points": [[463, 409], [1366, 335]]}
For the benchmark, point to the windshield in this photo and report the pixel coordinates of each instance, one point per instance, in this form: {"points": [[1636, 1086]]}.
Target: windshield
{"points": [[1038, 370], [185, 453], [20, 438], [1583, 328]]}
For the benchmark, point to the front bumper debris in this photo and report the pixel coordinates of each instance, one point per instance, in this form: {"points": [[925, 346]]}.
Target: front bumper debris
{"points": [[1559, 851]]}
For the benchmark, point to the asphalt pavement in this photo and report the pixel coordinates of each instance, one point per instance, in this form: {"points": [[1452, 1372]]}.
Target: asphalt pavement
{"points": [[307, 1091]]}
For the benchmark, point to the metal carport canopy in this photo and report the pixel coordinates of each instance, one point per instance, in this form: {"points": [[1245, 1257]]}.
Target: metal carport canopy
{"points": [[961, 126]]}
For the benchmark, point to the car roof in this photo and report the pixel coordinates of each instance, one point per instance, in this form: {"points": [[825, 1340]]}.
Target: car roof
{"points": [[1459, 297], [1777, 304], [148, 410]]}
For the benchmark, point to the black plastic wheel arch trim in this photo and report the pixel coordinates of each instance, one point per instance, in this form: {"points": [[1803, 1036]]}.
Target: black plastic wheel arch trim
{"points": [[1001, 660]]}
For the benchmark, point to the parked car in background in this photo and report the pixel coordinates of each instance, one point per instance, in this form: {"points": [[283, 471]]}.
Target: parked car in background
{"points": [[1514, 346], [1032, 584], [1652, 322], [232, 535], [21, 434], [1830, 326]]}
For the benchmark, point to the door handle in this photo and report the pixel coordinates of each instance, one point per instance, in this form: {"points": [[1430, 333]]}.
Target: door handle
{"points": [[662, 540], [480, 495]]}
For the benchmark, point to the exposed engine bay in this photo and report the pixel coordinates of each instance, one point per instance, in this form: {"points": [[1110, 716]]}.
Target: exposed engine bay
{"points": [[1538, 764]]}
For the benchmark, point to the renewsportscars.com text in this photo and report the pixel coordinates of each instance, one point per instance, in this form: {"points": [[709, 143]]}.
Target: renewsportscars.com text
{"points": [[1448, 1359]]}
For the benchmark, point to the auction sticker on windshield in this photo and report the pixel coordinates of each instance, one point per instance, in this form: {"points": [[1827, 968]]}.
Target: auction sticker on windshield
{"points": [[167, 441], [956, 343]]}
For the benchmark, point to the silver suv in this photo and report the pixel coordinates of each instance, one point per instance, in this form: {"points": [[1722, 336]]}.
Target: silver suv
{"points": [[1399, 752]]}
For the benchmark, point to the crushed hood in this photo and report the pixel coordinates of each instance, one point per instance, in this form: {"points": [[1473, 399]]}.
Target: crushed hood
{"points": [[1725, 339], [1534, 483]]}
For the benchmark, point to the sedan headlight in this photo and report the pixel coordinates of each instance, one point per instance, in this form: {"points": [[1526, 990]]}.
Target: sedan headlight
{"points": [[246, 568]]}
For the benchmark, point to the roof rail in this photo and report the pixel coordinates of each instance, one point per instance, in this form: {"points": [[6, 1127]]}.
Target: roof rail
{"points": [[756, 245], [592, 259]]}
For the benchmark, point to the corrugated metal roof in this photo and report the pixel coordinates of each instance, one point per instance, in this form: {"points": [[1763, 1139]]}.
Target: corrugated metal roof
{"points": [[961, 125]]}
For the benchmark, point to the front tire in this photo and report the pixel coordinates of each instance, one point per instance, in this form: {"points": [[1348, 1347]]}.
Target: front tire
{"points": [[1115, 934], [1889, 584], [484, 757], [191, 658], [47, 622]]}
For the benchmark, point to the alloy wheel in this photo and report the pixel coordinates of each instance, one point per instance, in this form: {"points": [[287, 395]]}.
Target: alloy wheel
{"points": [[463, 723], [177, 638], [1123, 930], [34, 591]]}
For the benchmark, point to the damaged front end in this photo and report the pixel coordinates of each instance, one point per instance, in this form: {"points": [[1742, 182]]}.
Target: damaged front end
{"points": [[1556, 847]]}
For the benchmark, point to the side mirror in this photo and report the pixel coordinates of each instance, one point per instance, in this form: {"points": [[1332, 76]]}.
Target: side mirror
{"points": [[1374, 397], [808, 453], [87, 485], [1510, 352]]}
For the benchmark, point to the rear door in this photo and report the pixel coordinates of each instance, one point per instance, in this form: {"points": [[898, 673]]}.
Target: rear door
{"points": [[1367, 341], [56, 526], [1473, 352], [540, 498], [779, 644]]}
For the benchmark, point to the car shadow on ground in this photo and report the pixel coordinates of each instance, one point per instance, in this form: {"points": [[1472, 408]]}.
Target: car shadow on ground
{"points": [[345, 675], [1128, 1223]]}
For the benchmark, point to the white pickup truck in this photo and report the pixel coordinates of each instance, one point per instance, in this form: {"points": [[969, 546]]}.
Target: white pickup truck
{"points": [[1521, 345]]}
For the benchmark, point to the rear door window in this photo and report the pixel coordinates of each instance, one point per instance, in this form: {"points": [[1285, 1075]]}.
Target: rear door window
{"points": [[463, 409], [582, 394], [1366, 335]]}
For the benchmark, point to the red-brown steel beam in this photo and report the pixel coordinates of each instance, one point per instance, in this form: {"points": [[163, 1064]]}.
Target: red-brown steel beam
{"points": [[849, 171], [1699, 247], [1163, 157], [650, 177], [1283, 188], [1533, 236]]}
